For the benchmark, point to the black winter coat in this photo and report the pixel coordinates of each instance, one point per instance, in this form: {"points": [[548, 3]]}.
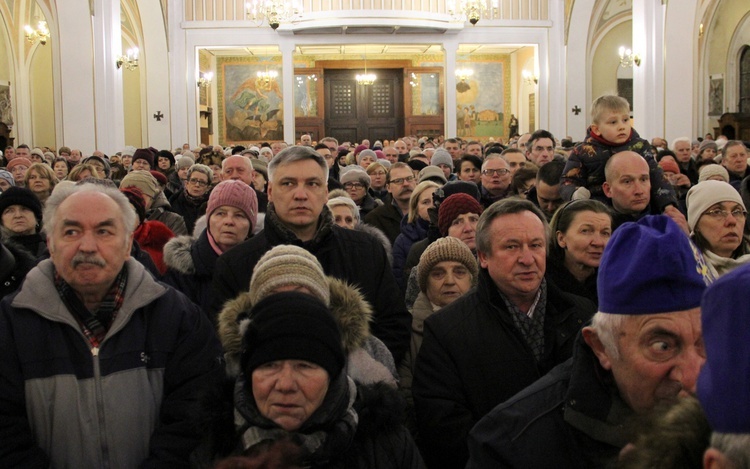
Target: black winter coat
{"points": [[387, 218], [380, 442], [349, 255], [571, 418], [473, 358], [189, 209], [190, 266], [15, 263]]}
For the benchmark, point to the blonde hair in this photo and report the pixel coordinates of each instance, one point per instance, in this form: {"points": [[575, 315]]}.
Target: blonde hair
{"points": [[608, 103], [414, 199]]}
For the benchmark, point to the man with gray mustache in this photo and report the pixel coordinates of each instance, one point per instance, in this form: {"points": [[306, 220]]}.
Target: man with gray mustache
{"points": [[100, 364], [642, 349]]}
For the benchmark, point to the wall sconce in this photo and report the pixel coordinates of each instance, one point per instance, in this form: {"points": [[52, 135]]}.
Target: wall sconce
{"points": [[529, 78], [627, 58], [273, 11], [204, 81], [41, 33], [129, 61]]}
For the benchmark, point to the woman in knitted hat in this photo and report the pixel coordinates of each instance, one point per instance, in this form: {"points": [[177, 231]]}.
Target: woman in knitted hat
{"points": [[21, 214], [716, 218], [356, 183], [150, 236], [232, 212], [580, 231], [190, 201], [176, 179], [40, 179], [6, 180], [447, 269], [289, 267], [292, 386], [366, 157], [707, 151]]}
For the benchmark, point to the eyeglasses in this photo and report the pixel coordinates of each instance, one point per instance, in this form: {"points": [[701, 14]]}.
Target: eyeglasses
{"points": [[493, 172], [377, 173], [197, 182], [399, 181], [353, 185], [721, 214]]}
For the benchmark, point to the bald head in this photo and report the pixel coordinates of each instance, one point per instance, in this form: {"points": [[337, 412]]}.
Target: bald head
{"points": [[628, 183]]}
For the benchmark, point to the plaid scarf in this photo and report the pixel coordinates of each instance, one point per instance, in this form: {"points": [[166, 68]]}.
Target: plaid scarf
{"points": [[94, 325], [531, 325]]}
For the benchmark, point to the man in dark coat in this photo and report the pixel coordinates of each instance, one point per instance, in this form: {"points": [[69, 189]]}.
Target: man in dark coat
{"points": [[643, 348], [297, 215], [400, 183], [497, 339]]}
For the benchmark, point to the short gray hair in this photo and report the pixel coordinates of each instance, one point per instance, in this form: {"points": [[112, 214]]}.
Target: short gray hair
{"points": [[61, 193], [505, 207], [735, 446], [681, 139], [296, 153], [203, 169], [608, 328], [344, 202]]}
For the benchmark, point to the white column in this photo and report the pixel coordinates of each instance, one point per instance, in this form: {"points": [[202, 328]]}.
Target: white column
{"points": [[551, 92], [680, 38], [184, 124], [287, 88], [77, 75], [110, 120], [648, 78], [450, 47], [578, 70]]}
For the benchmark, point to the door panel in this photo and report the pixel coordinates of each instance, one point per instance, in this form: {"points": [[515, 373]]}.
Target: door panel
{"points": [[355, 112]]}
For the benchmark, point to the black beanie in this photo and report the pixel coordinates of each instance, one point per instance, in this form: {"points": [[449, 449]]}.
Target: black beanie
{"points": [[292, 326], [21, 196]]}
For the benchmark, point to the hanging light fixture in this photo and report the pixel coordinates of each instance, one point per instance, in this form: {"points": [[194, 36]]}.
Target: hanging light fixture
{"points": [[470, 10], [463, 74], [40, 34], [366, 79], [275, 12]]}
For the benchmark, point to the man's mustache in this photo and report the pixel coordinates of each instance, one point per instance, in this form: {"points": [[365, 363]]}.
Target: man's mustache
{"points": [[82, 258]]}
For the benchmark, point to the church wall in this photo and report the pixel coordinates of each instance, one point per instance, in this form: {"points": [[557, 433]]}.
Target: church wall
{"points": [[605, 63], [42, 98]]}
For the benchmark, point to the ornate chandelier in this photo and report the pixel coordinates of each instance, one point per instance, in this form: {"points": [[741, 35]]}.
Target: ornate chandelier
{"points": [[469, 10], [274, 12]]}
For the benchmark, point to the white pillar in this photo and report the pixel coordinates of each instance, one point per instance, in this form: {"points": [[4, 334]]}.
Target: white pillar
{"points": [[450, 47], [648, 78], [578, 71], [77, 75], [680, 37], [184, 124], [551, 98], [287, 88], [110, 120]]}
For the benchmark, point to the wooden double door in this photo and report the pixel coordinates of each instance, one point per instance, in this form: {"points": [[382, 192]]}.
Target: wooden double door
{"points": [[357, 112]]}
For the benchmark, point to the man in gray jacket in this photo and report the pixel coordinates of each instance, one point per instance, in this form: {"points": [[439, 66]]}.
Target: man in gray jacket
{"points": [[100, 364]]}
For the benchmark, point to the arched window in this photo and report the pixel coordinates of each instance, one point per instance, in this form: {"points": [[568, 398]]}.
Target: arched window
{"points": [[745, 80]]}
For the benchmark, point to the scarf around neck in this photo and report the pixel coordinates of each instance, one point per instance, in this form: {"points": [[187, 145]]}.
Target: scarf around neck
{"points": [[326, 434]]}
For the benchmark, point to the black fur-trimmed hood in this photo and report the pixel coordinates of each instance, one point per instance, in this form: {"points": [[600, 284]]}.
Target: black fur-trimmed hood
{"points": [[349, 308]]}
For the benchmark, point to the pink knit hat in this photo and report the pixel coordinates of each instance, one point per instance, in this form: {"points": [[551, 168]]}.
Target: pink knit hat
{"points": [[235, 194]]}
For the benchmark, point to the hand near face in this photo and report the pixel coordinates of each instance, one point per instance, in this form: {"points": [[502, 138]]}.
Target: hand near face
{"points": [[677, 216]]}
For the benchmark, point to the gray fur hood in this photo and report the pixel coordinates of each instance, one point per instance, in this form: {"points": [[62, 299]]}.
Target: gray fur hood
{"points": [[350, 310], [177, 254]]}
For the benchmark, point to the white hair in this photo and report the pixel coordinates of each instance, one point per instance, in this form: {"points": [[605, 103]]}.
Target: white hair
{"points": [[608, 328], [735, 446], [681, 139], [62, 192], [345, 202]]}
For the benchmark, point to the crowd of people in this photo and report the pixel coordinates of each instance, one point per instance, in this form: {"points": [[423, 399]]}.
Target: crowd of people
{"points": [[421, 302]]}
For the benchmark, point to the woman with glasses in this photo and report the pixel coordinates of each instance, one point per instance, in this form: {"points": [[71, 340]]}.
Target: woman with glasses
{"points": [[190, 201], [716, 218], [356, 183], [377, 173]]}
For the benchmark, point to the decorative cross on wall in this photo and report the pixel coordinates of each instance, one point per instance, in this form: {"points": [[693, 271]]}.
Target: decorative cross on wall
{"points": [[576, 110], [158, 116]]}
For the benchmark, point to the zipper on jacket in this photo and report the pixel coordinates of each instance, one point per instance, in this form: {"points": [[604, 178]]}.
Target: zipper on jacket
{"points": [[100, 407]]}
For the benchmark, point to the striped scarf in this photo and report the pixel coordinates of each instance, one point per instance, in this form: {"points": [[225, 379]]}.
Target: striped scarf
{"points": [[94, 325]]}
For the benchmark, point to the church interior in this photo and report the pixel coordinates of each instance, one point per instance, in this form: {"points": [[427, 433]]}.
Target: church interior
{"points": [[100, 75]]}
